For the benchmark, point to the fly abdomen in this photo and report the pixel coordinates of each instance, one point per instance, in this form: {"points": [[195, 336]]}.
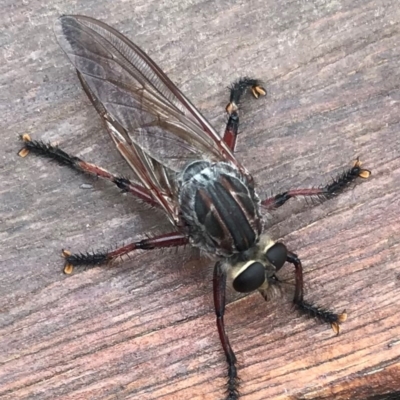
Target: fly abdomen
{"points": [[220, 208]]}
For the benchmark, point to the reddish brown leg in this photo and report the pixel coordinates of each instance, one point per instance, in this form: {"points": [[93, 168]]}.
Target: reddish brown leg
{"points": [[237, 90], [231, 130], [56, 154], [337, 186], [271, 203], [310, 309], [172, 239], [219, 285]]}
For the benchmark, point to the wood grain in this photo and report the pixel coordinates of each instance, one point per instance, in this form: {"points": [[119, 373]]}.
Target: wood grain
{"points": [[146, 329]]}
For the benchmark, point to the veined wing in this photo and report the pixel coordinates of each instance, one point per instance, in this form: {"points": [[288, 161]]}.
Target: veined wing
{"points": [[138, 96], [156, 178]]}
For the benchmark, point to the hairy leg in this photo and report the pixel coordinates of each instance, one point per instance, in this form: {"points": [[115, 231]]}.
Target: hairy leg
{"points": [[237, 90], [54, 153], [337, 186], [171, 239]]}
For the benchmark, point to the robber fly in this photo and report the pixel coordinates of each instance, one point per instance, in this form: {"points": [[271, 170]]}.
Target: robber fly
{"points": [[183, 167]]}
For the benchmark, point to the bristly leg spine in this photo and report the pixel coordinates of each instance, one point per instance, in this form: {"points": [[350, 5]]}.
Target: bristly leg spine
{"points": [[344, 179], [47, 150], [336, 187], [239, 87], [83, 259], [322, 314]]}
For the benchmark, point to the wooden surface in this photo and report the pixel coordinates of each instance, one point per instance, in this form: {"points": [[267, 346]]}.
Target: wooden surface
{"points": [[146, 330]]}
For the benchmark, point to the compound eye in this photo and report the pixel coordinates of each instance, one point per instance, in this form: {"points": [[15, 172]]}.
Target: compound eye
{"points": [[277, 255], [250, 279]]}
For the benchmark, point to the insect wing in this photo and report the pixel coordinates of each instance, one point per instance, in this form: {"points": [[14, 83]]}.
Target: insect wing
{"points": [[138, 96], [156, 178]]}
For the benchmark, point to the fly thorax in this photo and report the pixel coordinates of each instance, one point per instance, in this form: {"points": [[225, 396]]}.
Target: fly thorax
{"points": [[219, 207]]}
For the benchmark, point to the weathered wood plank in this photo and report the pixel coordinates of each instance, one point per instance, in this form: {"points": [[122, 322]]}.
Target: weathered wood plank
{"points": [[146, 329]]}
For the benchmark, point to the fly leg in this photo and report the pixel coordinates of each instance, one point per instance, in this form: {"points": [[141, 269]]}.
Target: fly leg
{"points": [[172, 239], [219, 286], [237, 90], [337, 186], [310, 309], [56, 154]]}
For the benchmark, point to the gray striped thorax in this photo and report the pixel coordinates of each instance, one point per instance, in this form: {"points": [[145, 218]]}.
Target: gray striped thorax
{"points": [[219, 207]]}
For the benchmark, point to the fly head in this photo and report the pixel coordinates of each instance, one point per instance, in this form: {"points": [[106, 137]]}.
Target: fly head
{"points": [[254, 268]]}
